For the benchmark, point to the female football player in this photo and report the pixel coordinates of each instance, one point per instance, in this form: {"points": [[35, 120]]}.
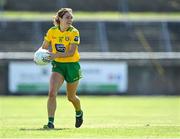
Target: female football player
{"points": [[64, 40]]}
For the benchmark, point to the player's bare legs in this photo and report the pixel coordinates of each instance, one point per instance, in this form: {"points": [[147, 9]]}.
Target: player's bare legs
{"points": [[72, 97], [56, 82]]}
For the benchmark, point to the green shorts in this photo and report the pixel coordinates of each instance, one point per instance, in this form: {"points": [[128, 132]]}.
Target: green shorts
{"points": [[70, 71]]}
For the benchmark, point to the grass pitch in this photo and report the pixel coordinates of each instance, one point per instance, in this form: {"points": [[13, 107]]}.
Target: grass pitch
{"points": [[96, 16], [104, 117]]}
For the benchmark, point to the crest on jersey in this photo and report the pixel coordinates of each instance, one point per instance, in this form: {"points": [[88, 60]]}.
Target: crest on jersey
{"points": [[76, 38], [67, 38]]}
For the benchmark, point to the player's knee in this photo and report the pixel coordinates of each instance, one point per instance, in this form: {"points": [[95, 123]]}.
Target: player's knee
{"points": [[52, 93], [71, 98]]}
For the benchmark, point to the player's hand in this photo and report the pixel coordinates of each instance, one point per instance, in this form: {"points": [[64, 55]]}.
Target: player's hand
{"points": [[46, 59], [52, 56]]}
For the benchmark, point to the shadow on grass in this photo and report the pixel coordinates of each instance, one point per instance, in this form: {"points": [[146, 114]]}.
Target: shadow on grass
{"points": [[42, 129]]}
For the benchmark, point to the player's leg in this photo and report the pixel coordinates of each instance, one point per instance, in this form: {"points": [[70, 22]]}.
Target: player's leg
{"points": [[72, 97], [56, 82]]}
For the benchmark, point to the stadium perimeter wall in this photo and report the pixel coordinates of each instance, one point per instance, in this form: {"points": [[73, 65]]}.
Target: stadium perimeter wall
{"points": [[144, 77]]}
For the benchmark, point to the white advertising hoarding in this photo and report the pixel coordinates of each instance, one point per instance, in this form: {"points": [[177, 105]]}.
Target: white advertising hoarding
{"points": [[101, 77], [28, 77], [104, 76]]}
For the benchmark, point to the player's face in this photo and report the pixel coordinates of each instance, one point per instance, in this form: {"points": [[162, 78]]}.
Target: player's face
{"points": [[67, 19]]}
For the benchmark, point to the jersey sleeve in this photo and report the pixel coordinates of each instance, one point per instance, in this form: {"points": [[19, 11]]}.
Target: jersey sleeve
{"points": [[75, 37], [47, 37]]}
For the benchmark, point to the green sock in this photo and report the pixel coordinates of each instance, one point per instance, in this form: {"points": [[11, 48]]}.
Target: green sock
{"points": [[78, 113], [51, 120]]}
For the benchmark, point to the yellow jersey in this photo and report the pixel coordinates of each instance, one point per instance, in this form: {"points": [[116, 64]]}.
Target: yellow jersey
{"points": [[60, 42]]}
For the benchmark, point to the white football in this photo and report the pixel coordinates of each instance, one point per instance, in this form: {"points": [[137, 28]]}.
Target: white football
{"points": [[41, 57]]}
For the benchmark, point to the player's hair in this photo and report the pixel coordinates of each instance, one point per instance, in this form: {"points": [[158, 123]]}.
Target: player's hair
{"points": [[60, 14]]}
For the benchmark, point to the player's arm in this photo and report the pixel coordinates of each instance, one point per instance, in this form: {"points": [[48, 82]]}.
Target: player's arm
{"points": [[47, 40], [69, 53], [73, 46], [45, 44], [75, 41]]}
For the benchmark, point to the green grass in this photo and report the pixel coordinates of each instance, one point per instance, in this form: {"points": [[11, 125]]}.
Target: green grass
{"points": [[104, 117], [25, 15]]}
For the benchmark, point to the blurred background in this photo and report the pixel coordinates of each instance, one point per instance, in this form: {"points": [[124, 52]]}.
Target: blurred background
{"points": [[127, 47]]}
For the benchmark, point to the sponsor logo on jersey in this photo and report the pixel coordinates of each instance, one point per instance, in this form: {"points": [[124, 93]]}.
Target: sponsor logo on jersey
{"points": [[60, 48]]}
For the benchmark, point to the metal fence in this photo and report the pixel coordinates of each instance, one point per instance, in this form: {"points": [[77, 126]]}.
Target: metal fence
{"points": [[97, 36]]}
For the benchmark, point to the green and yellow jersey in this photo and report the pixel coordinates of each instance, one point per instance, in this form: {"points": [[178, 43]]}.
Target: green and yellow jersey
{"points": [[60, 42]]}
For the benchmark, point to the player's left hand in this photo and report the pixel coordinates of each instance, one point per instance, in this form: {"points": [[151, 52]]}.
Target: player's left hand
{"points": [[51, 56]]}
